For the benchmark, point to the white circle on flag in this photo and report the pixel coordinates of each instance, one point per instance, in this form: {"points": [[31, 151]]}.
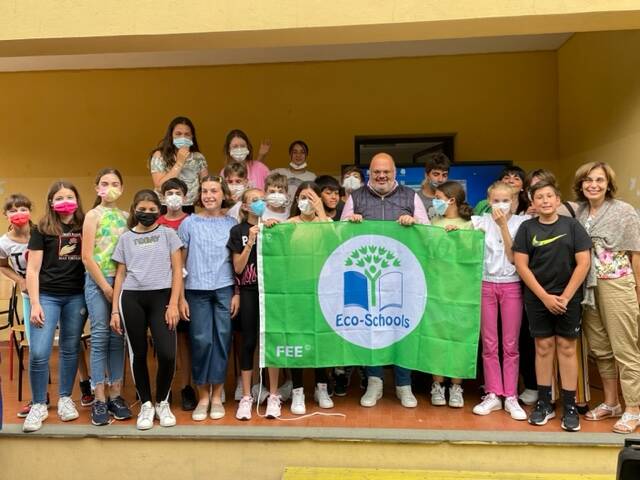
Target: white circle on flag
{"points": [[372, 291]]}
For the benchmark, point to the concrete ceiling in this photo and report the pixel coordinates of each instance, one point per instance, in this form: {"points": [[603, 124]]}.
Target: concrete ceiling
{"points": [[234, 56]]}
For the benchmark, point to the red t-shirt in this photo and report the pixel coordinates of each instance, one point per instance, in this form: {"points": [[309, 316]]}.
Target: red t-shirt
{"points": [[171, 223]]}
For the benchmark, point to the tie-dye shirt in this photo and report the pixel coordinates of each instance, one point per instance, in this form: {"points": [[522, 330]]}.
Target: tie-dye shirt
{"points": [[111, 225]]}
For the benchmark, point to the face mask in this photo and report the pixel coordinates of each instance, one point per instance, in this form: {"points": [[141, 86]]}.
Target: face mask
{"points": [[180, 142], [351, 183], [65, 207], [504, 206], [277, 199], [257, 207], [19, 219], [440, 206], [305, 206], [173, 202], [110, 194], [239, 154], [146, 218], [295, 166], [237, 189]]}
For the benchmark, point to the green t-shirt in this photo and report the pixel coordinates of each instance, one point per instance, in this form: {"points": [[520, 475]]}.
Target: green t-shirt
{"points": [[461, 223]]}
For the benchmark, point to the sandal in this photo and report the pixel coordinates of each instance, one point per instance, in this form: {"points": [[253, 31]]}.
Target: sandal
{"points": [[627, 424], [603, 411]]}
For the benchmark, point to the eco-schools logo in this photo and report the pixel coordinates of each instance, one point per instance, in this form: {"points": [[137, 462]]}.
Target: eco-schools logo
{"points": [[372, 291]]}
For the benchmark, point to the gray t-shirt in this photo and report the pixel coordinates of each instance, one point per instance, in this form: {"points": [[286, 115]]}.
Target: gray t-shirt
{"points": [[147, 258], [428, 204]]}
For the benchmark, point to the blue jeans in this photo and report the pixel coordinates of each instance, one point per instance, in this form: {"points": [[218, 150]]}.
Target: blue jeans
{"points": [[210, 333], [70, 311], [403, 375], [107, 347]]}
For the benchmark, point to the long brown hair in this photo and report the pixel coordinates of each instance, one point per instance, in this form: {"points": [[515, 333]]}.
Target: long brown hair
{"points": [[166, 147], [145, 195], [454, 190], [227, 141], [50, 223], [102, 173], [226, 193]]}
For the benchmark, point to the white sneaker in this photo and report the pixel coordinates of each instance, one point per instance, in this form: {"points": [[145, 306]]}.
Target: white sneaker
{"points": [[35, 417], [490, 403], [321, 395], [373, 393], [285, 391], [512, 406], [529, 397], [273, 406], [164, 414], [237, 395], [297, 402], [406, 397], [244, 408], [437, 395], [264, 393], [456, 400], [217, 411], [145, 417], [200, 413], [67, 409]]}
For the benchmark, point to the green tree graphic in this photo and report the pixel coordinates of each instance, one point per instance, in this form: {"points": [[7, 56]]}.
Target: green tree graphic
{"points": [[373, 260]]}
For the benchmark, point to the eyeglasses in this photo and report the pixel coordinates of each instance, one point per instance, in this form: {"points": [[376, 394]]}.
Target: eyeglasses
{"points": [[597, 181]]}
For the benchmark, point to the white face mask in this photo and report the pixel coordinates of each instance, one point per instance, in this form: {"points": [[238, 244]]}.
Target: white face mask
{"points": [[305, 206], [237, 189], [504, 206], [295, 166], [173, 202], [239, 153], [351, 183], [276, 199]]}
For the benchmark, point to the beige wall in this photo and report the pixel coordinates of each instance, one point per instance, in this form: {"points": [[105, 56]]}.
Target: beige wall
{"points": [[70, 124], [599, 106]]}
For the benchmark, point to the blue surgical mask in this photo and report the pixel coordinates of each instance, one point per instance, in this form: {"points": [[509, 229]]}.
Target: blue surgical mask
{"points": [[257, 207], [440, 206], [180, 142]]}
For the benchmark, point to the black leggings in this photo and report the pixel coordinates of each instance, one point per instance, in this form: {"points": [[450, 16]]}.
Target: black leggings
{"points": [[141, 310], [527, 355], [249, 325], [297, 373]]}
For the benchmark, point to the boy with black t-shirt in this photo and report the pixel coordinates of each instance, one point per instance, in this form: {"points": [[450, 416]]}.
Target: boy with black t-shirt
{"points": [[551, 254]]}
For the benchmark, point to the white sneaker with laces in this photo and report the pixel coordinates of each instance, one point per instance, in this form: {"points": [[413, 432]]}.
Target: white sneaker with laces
{"points": [[529, 397], [35, 417], [512, 406], [437, 395], [273, 406], [145, 417], [490, 403], [406, 397], [456, 399], [244, 408], [164, 414], [373, 392], [264, 393], [297, 402], [321, 395], [67, 410], [237, 395], [285, 390]]}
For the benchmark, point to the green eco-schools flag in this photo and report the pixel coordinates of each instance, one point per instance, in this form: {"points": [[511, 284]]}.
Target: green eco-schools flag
{"points": [[374, 293]]}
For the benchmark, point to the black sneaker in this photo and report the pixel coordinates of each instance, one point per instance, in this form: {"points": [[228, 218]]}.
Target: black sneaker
{"points": [[189, 400], [87, 397], [341, 384], [541, 414], [363, 378], [571, 419], [119, 408], [99, 413], [583, 409]]}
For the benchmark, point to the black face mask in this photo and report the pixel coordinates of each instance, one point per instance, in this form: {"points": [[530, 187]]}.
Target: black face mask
{"points": [[147, 218]]}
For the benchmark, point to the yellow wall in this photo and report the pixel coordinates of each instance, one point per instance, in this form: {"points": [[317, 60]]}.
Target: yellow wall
{"points": [[70, 124], [599, 106]]}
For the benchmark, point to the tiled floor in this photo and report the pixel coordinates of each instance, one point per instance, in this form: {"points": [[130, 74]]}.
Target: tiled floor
{"points": [[387, 414]]}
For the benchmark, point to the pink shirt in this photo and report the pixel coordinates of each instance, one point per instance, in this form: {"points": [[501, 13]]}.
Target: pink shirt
{"points": [[257, 172]]}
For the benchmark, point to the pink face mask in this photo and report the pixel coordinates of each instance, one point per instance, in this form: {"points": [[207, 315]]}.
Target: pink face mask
{"points": [[65, 207], [19, 219]]}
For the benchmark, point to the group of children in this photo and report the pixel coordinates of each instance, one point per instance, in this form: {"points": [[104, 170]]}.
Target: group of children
{"points": [[190, 278]]}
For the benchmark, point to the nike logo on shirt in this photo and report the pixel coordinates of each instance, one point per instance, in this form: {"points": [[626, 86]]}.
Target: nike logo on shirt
{"points": [[541, 243]]}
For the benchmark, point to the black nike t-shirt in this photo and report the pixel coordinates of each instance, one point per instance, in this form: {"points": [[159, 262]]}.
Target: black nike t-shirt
{"points": [[552, 249]]}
